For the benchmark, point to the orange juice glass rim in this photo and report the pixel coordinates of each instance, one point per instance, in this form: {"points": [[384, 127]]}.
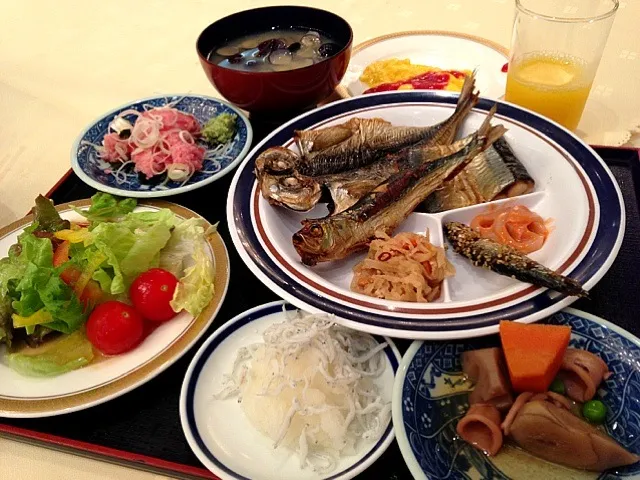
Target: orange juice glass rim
{"points": [[554, 18]]}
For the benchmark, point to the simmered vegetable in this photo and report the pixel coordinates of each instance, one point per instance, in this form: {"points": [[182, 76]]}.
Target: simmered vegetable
{"points": [[557, 386], [533, 353], [594, 411]]}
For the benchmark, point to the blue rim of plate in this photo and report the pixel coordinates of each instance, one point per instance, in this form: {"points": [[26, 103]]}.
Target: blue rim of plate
{"points": [[84, 160], [588, 271], [187, 394], [407, 386]]}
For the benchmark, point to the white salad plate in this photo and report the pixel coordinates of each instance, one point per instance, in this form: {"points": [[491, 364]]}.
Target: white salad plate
{"points": [[221, 435], [23, 396], [106, 177], [445, 50], [573, 188]]}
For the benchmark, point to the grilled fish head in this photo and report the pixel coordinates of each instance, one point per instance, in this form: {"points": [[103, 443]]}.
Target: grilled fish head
{"points": [[312, 241], [280, 183], [294, 191], [276, 161]]}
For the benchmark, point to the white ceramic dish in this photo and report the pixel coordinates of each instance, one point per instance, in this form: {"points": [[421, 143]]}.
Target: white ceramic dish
{"points": [[573, 187], [22, 396], [218, 431], [445, 50]]}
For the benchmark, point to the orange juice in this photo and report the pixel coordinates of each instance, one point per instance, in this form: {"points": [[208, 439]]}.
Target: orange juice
{"points": [[551, 85]]}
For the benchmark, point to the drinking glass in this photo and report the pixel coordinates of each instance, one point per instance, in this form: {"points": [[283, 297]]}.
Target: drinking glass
{"points": [[555, 51]]}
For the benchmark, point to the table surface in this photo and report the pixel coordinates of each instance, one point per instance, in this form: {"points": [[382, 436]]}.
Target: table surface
{"points": [[64, 63]]}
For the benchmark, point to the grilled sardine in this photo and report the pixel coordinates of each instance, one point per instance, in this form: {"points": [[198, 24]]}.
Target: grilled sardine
{"points": [[360, 141], [506, 260], [385, 207]]}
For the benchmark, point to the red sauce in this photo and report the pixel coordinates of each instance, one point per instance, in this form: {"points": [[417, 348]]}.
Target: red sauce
{"points": [[424, 81], [505, 68]]}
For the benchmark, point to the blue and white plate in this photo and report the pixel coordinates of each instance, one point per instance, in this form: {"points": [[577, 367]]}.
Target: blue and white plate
{"points": [[430, 395], [220, 434], [574, 188], [101, 175]]}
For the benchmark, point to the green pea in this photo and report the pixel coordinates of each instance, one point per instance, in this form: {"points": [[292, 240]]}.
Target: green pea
{"points": [[594, 411], [557, 386]]}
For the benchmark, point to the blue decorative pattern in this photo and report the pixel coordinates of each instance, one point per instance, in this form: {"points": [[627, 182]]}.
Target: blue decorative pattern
{"points": [[606, 241], [100, 174], [430, 418]]}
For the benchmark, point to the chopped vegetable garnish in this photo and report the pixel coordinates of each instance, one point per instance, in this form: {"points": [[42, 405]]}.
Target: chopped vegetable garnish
{"points": [[533, 353]]}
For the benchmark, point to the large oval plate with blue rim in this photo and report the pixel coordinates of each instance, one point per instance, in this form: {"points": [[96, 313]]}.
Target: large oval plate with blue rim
{"points": [[99, 174], [430, 395], [219, 432], [573, 187]]}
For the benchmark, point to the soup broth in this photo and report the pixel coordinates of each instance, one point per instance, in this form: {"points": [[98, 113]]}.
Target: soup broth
{"points": [[274, 51]]}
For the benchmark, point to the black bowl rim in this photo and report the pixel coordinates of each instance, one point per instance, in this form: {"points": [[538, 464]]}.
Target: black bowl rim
{"points": [[346, 47]]}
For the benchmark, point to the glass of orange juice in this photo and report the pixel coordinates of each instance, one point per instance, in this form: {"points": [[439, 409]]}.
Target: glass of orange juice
{"points": [[555, 52]]}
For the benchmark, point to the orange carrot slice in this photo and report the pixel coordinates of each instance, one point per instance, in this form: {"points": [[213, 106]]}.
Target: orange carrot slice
{"points": [[533, 353]]}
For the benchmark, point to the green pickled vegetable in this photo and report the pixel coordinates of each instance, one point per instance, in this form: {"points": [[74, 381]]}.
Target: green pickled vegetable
{"points": [[594, 411], [557, 386], [220, 129]]}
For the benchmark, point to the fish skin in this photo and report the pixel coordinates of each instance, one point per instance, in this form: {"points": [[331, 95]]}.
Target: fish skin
{"points": [[382, 209], [493, 174], [358, 142], [507, 261], [347, 188]]}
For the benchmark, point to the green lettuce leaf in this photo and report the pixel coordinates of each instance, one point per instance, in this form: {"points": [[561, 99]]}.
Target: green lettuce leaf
{"points": [[186, 257], [58, 356], [132, 246], [107, 208], [6, 330], [47, 217], [63, 305]]}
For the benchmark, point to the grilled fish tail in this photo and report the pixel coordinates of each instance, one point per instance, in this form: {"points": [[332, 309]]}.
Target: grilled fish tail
{"points": [[507, 261]]}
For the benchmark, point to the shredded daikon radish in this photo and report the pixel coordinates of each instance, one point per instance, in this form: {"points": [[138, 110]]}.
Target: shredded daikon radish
{"points": [[309, 387]]}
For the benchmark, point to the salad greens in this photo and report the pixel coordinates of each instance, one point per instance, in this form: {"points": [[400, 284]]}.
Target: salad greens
{"points": [[185, 251], [49, 280]]}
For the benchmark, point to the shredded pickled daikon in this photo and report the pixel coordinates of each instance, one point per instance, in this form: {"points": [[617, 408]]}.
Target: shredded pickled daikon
{"points": [[309, 387], [406, 267]]}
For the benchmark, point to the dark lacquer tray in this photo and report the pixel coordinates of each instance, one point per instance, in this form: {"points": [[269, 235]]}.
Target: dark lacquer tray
{"points": [[142, 428]]}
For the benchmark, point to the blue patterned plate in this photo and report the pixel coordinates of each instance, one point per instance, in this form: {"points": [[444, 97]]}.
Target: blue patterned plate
{"points": [[101, 175], [430, 395]]}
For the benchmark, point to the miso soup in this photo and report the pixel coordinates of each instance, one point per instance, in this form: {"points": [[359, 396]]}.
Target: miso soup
{"points": [[275, 50]]}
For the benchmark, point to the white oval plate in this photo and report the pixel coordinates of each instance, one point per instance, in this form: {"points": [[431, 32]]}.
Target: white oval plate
{"points": [[220, 434], [445, 50], [22, 396], [573, 187]]}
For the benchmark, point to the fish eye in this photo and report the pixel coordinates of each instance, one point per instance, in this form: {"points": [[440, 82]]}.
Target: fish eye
{"points": [[316, 230], [291, 182]]}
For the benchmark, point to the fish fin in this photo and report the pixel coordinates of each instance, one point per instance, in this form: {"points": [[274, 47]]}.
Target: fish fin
{"points": [[485, 128], [468, 98], [493, 134]]}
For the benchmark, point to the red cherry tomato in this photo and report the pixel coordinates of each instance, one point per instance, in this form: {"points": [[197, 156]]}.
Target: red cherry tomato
{"points": [[114, 327], [151, 294]]}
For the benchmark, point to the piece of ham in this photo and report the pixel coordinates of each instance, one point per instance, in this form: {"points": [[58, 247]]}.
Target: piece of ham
{"points": [[555, 434], [487, 370], [582, 372], [480, 427], [525, 397]]}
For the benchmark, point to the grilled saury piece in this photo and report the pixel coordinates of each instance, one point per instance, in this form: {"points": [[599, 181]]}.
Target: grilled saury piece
{"points": [[495, 173], [507, 261]]}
